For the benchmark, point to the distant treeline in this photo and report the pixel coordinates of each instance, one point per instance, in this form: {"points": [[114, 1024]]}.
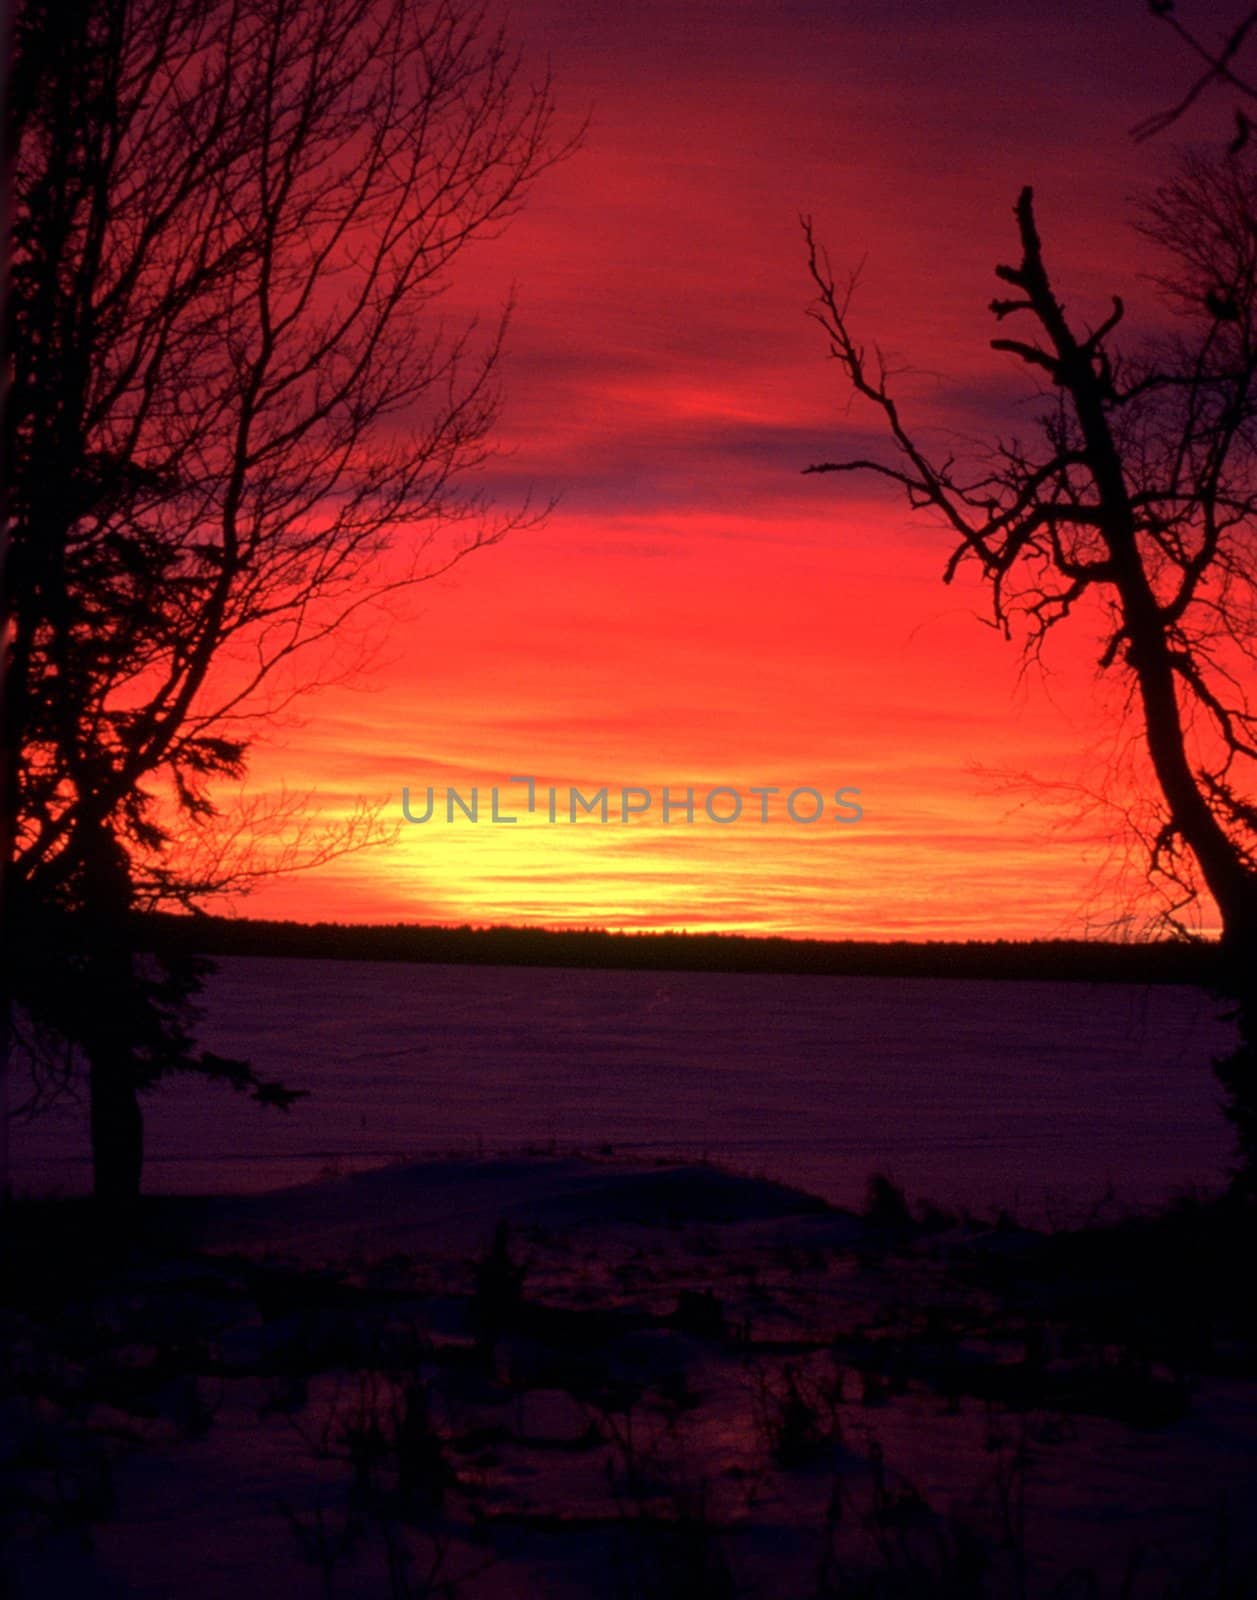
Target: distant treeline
{"points": [[1078, 959]]}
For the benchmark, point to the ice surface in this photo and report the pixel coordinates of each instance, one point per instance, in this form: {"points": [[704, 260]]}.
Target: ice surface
{"points": [[1034, 1096]]}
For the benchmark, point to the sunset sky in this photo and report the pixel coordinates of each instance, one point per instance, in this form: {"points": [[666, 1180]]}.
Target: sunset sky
{"points": [[695, 611]]}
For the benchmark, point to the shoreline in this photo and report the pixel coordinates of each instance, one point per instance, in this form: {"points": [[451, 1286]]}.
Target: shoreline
{"points": [[1047, 960]]}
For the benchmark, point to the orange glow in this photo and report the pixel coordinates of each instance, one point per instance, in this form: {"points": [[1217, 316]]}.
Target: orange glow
{"points": [[696, 611]]}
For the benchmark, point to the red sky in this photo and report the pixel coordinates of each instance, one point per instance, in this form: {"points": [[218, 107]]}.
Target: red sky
{"points": [[695, 611]]}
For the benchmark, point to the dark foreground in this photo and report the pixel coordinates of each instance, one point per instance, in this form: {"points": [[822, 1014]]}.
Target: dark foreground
{"points": [[558, 1377]]}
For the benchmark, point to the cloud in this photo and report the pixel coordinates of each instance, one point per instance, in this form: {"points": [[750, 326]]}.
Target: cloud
{"points": [[697, 607]]}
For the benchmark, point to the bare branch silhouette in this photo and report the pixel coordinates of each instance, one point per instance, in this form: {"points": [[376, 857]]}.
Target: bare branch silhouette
{"points": [[1221, 67], [1135, 502], [237, 416]]}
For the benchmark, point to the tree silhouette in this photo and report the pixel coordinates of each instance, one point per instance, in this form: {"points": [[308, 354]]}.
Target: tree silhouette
{"points": [[1133, 505], [235, 419]]}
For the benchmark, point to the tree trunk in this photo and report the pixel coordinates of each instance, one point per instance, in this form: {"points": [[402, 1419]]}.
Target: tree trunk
{"points": [[1227, 873], [117, 1127], [1237, 1072], [107, 1028]]}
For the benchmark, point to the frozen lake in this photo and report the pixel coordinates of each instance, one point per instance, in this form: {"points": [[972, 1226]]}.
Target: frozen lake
{"points": [[1033, 1095]]}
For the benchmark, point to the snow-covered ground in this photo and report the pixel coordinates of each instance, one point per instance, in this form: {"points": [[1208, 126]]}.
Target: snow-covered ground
{"points": [[543, 1378], [599, 1366], [1033, 1096]]}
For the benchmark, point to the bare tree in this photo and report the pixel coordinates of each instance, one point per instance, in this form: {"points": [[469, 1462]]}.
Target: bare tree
{"points": [[235, 420], [1133, 505]]}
